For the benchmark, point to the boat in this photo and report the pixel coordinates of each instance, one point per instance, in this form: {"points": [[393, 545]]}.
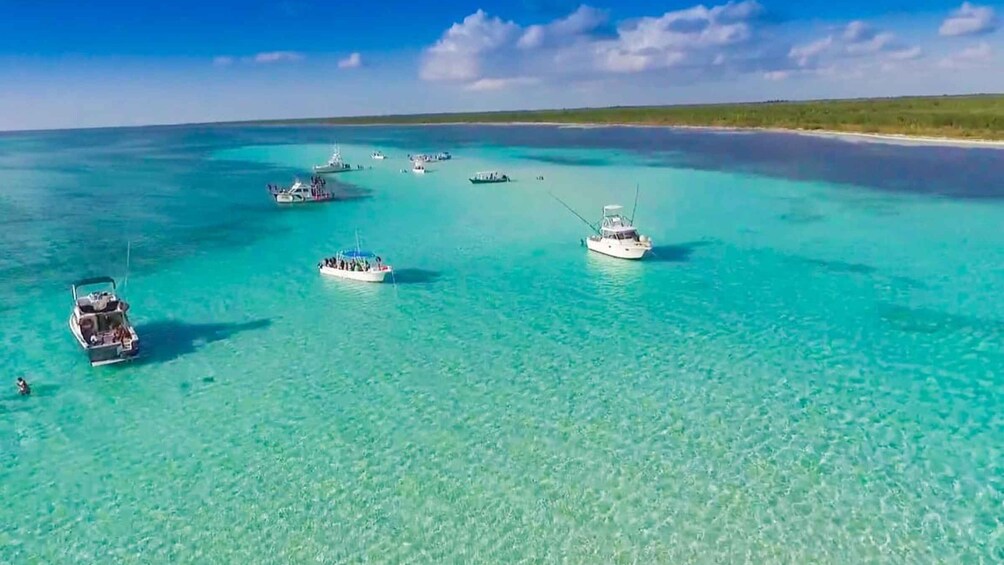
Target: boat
{"points": [[356, 265], [378, 156], [430, 158], [334, 164], [487, 177], [617, 236], [418, 167], [301, 193], [443, 156], [100, 324]]}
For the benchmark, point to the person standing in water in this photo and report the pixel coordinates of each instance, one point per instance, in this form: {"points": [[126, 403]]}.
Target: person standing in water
{"points": [[22, 387]]}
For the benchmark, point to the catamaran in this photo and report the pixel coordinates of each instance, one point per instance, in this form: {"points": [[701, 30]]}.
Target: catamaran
{"points": [[488, 177], [334, 164], [616, 235], [301, 193], [356, 265], [100, 325]]}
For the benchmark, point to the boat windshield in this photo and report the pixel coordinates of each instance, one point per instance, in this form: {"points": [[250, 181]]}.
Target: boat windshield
{"points": [[620, 234]]}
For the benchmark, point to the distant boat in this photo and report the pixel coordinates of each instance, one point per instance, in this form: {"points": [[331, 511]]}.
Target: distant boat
{"points": [[444, 156], [100, 325], [378, 156], [334, 164], [488, 177], [301, 193], [356, 265], [418, 167], [428, 158]]}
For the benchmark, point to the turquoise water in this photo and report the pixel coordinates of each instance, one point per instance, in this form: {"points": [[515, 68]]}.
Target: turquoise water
{"points": [[808, 370]]}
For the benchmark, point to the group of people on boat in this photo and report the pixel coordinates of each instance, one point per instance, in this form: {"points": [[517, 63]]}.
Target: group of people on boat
{"points": [[349, 264]]}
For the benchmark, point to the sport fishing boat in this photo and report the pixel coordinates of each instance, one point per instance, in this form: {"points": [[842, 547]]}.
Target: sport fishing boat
{"points": [[100, 325], [301, 193], [356, 265], [334, 164], [617, 236], [488, 177]]}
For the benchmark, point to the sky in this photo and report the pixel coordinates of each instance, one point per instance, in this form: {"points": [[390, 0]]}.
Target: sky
{"points": [[68, 64]]}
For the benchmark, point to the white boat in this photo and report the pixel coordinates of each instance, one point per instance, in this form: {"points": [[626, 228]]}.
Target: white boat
{"points": [[356, 265], [489, 177], [378, 156], [418, 167], [301, 193], [444, 156], [100, 325], [334, 164], [618, 237]]}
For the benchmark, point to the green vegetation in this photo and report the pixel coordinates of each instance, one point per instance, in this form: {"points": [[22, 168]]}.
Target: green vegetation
{"points": [[964, 117]]}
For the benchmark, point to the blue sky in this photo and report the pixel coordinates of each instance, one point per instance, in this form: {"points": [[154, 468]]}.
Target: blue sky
{"points": [[77, 64]]}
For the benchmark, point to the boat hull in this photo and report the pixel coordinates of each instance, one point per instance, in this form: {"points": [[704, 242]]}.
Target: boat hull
{"points": [[287, 199], [632, 250], [361, 276], [325, 170], [476, 181], [105, 354]]}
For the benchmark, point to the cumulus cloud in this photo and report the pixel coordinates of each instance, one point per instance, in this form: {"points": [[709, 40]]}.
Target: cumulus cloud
{"points": [[353, 61], [487, 48], [277, 57], [856, 41], [223, 61], [488, 84], [972, 56], [969, 19]]}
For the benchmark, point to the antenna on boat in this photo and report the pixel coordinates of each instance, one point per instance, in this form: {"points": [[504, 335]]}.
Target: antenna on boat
{"points": [[128, 259], [569, 208], [637, 189]]}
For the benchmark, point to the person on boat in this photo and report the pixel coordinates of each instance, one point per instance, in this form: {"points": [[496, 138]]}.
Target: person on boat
{"points": [[23, 388]]}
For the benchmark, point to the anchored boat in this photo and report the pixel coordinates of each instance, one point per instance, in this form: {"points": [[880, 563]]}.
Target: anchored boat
{"points": [[356, 265], [100, 325], [618, 237], [301, 193], [378, 156], [418, 167], [489, 177], [334, 164]]}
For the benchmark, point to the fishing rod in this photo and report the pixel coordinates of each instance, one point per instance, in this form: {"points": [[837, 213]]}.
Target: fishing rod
{"points": [[569, 208], [637, 189]]}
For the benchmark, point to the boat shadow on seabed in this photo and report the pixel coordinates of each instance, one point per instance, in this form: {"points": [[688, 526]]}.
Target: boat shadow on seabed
{"points": [[165, 340]]}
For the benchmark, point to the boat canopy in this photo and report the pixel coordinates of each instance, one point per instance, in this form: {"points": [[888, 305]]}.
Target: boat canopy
{"points": [[357, 254], [612, 209], [94, 280]]}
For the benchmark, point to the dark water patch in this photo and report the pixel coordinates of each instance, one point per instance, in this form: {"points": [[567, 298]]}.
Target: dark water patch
{"points": [[801, 217], [838, 266], [416, 276], [165, 340], [680, 253], [927, 321], [567, 160]]}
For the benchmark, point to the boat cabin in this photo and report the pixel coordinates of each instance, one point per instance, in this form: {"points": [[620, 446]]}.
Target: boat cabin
{"points": [[101, 315], [615, 226]]}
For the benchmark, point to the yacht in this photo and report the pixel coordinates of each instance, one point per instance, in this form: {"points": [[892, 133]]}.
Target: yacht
{"points": [[487, 177], [617, 236], [100, 325], [301, 193], [356, 265], [378, 156], [334, 164]]}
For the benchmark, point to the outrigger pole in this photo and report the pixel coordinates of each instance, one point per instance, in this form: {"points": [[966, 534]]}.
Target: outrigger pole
{"points": [[569, 208], [635, 208]]}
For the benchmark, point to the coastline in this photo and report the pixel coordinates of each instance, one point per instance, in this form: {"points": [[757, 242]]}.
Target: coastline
{"points": [[848, 136]]}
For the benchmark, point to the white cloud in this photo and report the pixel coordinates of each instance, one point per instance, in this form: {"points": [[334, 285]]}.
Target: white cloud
{"points": [[973, 56], [906, 54], [353, 61], [584, 20], [488, 84], [805, 54], [777, 75], [857, 41], [277, 57], [223, 61], [457, 54], [969, 19]]}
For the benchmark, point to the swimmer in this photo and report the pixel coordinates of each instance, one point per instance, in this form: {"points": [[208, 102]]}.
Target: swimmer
{"points": [[22, 387]]}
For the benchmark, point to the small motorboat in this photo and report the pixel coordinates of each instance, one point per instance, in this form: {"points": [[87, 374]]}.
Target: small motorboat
{"points": [[100, 325], [489, 177], [334, 164], [418, 167], [356, 265], [444, 156], [378, 156], [301, 193]]}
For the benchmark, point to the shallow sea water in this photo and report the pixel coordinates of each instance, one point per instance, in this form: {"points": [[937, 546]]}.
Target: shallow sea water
{"points": [[808, 370]]}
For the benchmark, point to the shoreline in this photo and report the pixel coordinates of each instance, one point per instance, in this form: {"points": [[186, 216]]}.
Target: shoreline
{"points": [[849, 136]]}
